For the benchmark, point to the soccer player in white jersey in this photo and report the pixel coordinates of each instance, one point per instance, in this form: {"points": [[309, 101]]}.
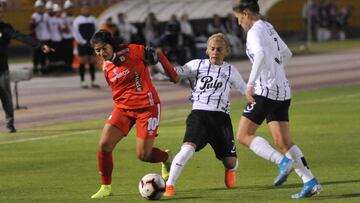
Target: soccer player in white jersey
{"points": [[209, 120], [268, 94], [39, 29]]}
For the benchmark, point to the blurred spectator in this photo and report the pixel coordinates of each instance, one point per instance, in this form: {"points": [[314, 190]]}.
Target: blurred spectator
{"points": [[172, 42], [7, 33], [323, 31], [332, 11], [215, 26], [39, 30], [185, 25], [128, 32], [56, 28], [110, 26], [151, 30], [84, 28], [232, 33], [189, 38], [310, 10], [68, 36], [342, 21]]}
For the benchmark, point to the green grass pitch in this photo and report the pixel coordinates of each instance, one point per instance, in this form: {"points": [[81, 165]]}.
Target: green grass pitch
{"points": [[58, 163]]}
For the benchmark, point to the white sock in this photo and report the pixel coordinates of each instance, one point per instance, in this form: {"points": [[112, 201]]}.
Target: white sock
{"points": [[262, 148], [179, 162], [300, 164]]}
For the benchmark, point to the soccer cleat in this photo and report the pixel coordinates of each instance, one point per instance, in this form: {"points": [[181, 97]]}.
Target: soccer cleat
{"points": [[310, 188], [285, 168], [11, 129], [84, 84], [165, 166], [105, 191], [94, 84], [230, 178], [169, 191]]}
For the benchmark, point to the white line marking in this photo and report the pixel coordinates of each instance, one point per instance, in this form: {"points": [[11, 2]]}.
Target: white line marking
{"points": [[46, 137], [327, 99], [165, 121]]}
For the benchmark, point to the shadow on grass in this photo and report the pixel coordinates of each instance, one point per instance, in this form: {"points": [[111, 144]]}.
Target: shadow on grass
{"points": [[340, 196], [322, 196], [176, 198], [295, 185]]}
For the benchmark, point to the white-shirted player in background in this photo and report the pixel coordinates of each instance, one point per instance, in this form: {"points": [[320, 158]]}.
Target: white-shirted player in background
{"points": [[84, 27], [268, 94], [209, 120], [40, 30], [68, 35]]}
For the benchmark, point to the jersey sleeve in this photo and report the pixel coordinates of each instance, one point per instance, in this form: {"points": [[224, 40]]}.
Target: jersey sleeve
{"points": [[236, 81], [254, 40], [188, 70], [138, 51]]}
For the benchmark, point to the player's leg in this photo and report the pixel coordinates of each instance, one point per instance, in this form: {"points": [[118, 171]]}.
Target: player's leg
{"points": [[231, 165], [178, 164], [92, 71], [6, 100], [110, 136], [83, 62], [253, 115], [281, 135], [118, 125], [194, 140], [246, 135], [221, 139], [147, 124]]}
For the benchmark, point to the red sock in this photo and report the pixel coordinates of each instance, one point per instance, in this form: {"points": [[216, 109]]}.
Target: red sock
{"points": [[157, 155], [105, 164]]}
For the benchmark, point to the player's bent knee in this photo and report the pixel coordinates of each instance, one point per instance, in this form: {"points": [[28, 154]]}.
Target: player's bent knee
{"points": [[243, 139], [105, 147]]}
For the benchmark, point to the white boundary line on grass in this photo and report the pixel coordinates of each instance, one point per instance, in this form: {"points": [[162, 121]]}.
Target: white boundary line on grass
{"points": [[45, 137], [66, 134], [336, 98], [165, 121]]}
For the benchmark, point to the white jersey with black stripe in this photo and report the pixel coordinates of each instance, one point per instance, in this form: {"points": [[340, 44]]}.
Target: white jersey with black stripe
{"points": [[211, 84], [271, 81]]}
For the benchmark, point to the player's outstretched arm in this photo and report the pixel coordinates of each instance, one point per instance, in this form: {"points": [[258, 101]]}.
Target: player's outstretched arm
{"points": [[168, 67]]}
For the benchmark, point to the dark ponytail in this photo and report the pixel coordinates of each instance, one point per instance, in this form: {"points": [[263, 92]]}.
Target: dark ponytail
{"points": [[252, 5]]}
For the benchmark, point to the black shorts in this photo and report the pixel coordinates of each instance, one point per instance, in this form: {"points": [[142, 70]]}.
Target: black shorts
{"points": [[267, 108], [211, 127], [85, 50]]}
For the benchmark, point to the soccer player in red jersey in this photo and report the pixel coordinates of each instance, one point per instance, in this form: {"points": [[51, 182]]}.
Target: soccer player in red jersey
{"points": [[136, 101]]}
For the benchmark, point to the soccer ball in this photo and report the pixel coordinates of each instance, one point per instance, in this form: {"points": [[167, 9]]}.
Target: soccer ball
{"points": [[152, 186]]}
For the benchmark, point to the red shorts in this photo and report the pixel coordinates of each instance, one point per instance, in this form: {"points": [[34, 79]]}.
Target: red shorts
{"points": [[147, 121]]}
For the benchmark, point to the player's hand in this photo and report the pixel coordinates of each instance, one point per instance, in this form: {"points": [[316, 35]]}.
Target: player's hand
{"points": [[249, 94], [46, 49]]}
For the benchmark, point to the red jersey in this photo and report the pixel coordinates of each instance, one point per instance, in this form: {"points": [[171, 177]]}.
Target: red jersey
{"points": [[130, 81]]}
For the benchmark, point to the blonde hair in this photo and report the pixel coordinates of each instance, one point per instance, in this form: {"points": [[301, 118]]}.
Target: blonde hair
{"points": [[219, 37]]}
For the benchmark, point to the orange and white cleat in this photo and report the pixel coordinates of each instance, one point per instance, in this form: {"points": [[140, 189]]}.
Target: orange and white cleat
{"points": [[230, 178], [169, 191]]}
